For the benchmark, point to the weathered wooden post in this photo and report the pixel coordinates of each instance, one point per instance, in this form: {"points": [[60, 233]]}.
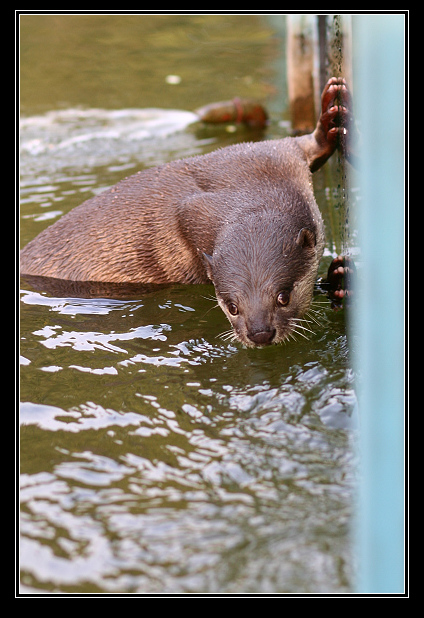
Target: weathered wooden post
{"points": [[318, 47], [300, 70]]}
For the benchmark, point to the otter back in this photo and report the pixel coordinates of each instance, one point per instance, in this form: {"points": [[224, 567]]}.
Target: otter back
{"points": [[154, 226]]}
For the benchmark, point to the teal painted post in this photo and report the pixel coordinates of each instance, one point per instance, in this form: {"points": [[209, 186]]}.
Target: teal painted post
{"points": [[379, 322]]}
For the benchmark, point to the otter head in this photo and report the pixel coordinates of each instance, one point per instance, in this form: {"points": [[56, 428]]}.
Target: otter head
{"points": [[264, 277]]}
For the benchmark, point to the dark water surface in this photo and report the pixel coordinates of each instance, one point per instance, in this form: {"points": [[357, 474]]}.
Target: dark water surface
{"points": [[157, 457]]}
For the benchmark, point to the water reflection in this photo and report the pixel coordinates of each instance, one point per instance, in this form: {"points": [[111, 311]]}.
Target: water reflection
{"points": [[169, 446], [88, 289], [219, 488]]}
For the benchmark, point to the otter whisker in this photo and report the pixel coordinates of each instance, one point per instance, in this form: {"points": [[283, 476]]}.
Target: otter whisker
{"points": [[295, 322], [317, 316], [301, 334], [211, 298], [303, 320], [210, 309], [225, 335], [290, 335], [313, 319], [296, 326], [303, 329], [228, 335]]}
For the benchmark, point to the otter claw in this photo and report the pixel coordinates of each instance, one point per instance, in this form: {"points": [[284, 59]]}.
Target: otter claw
{"points": [[335, 128], [337, 121], [338, 284]]}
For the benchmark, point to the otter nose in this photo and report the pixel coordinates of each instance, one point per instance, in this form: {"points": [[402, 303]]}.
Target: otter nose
{"points": [[262, 337]]}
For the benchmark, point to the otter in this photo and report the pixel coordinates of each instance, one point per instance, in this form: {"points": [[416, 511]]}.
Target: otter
{"points": [[243, 217]]}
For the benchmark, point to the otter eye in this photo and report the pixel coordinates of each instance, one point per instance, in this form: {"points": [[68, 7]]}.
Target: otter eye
{"points": [[232, 308], [283, 298]]}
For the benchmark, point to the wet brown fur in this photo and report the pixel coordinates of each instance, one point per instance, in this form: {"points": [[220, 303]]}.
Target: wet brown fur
{"points": [[154, 226]]}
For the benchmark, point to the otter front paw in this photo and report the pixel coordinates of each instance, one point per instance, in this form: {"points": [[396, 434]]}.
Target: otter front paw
{"points": [[339, 280], [335, 102], [337, 123], [335, 127]]}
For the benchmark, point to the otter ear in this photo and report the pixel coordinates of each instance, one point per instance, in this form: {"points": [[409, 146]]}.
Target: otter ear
{"points": [[306, 238], [208, 260]]}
